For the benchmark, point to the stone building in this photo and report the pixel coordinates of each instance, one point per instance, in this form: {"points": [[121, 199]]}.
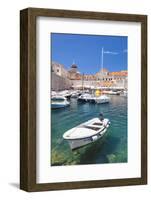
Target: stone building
{"points": [[72, 78], [112, 79], [59, 77], [73, 73], [59, 69]]}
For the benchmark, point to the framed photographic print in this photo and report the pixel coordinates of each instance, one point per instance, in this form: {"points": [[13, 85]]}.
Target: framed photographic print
{"points": [[83, 93]]}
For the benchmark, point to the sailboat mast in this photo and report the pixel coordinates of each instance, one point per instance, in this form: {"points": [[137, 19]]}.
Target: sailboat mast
{"points": [[102, 60], [82, 82], [102, 66]]}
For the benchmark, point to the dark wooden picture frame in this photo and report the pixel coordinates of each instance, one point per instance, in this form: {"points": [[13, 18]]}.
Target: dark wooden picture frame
{"points": [[28, 98]]}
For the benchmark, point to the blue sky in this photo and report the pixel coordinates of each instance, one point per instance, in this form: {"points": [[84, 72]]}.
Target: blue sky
{"points": [[85, 51]]}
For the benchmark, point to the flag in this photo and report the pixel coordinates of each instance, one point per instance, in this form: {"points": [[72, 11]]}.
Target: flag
{"points": [[110, 52]]}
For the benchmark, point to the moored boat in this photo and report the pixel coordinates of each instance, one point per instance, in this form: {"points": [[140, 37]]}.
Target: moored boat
{"points": [[112, 92], [53, 93], [85, 97], [86, 133], [102, 99], [65, 93], [124, 93], [74, 95], [59, 102]]}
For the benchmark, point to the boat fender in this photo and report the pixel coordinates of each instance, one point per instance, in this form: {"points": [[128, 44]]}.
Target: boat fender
{"points": [[94, 138]]}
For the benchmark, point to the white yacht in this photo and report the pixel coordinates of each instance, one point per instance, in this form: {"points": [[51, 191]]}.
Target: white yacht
{"points": [[86, 133], [53, 93], [102, 99], [74, 94], [65, 93], [59, 102], [124, 93], [112, 92], [85, 97]]}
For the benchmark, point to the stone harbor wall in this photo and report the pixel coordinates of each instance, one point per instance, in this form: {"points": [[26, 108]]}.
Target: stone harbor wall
{"points": [[59, 83]]}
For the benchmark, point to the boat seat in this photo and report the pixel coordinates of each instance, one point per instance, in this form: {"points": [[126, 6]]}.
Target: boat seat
{"points": [[95, 128], [97, 123]]}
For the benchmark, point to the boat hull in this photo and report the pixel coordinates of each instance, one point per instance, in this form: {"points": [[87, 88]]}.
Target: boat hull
{"points": [[78, 143], [102, 101], [57, 106], [84, 100], [81, 100]]}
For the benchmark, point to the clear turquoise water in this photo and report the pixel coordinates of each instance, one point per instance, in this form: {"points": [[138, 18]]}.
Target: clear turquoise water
{"points": [[111, 149]]}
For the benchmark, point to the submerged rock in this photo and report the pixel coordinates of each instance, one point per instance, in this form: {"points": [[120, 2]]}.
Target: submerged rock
{"points": [[111, 158], [57, 158]]}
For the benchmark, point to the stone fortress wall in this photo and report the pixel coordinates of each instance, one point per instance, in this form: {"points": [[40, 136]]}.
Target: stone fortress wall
{"points": [[59, 83]]}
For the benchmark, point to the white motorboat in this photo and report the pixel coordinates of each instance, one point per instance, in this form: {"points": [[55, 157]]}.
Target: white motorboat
{"points": [[53, 93], [59, 102], [65, 93], [112, 92], [74, 95], [85, 97], [86, 133], [102, 99], [124, 93]]}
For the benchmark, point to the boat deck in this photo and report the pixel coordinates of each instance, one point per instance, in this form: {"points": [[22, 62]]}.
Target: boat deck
{"points": [[92, 127]]}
